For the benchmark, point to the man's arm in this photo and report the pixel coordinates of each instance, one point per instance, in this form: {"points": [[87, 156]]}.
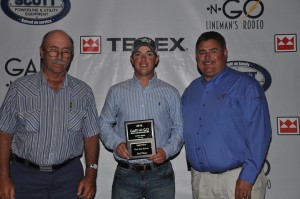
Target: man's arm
{"points": [[87, 186], [258, 132], [175, 141], [107, 120], [6, 185], [258, 136]]}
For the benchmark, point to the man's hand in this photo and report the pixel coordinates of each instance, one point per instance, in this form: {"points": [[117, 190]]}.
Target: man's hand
{"points": [[7, 188], [122, 151], [243, 189], [159, 157], [87, 187]]}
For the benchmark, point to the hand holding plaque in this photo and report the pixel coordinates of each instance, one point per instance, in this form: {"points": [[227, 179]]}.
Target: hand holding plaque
{"points": [[140, 138]]}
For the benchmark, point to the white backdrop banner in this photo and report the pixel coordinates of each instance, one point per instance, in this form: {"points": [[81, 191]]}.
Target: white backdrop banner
{"points": [[261, 38]]}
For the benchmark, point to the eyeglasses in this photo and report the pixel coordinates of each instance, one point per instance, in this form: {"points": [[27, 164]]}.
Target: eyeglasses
{"points": [[212, 52], [65, 53], [149, 54]]}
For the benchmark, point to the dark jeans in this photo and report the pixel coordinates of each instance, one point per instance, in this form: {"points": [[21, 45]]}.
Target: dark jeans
{"points": [[30, 183], [158, 183]]}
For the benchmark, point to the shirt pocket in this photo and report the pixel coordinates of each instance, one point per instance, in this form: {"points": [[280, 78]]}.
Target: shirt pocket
{"points": [[30, 121], [76, 120]]}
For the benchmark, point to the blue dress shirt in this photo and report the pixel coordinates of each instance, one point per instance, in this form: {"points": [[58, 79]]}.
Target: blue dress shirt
{"points": [[129, 101], [226, 124]]}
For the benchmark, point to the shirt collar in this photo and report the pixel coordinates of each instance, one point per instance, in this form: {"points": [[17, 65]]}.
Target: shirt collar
{"points": [[215, 80], [42, 80], [151, 83]]}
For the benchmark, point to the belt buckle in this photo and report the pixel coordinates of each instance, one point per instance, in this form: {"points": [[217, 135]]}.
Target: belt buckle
{"points": [[46, 168], [144, 167], [136, 167], [139, 167]]}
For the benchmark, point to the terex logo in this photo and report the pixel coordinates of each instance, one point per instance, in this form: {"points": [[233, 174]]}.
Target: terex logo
{"points": [[163, 44], [288, 125], [36, 12]]}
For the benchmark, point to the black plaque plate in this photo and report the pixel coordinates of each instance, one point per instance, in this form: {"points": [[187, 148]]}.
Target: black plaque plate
{"points": [[140, 138]]}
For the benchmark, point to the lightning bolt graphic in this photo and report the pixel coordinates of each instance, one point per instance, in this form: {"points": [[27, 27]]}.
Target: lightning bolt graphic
{"points": [[252, 9]]}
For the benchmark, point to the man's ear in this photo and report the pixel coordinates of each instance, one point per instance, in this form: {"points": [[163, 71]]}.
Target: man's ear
{"points": [[41, 52], [131, 60], [157, 60], [226, 53]]}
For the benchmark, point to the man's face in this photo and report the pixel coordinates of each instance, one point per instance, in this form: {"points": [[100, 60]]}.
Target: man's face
{"points": [[144, 61], [57, 53], [211, 58]]}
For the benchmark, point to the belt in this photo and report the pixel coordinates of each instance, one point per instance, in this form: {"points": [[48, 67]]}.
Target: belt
{"points": [[49, 168], [220, 172], [217, 172], [139, 167]]}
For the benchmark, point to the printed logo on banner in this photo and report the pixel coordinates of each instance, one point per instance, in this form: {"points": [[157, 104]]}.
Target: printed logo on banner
{"points": [[254, 70], [90, 45], [16, 67], [162, 43], [285, 42], [244, 15], [36, 12], [288, 125]]}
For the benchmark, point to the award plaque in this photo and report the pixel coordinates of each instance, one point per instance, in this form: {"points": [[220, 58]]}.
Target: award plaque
{"points": [[140, 138]]}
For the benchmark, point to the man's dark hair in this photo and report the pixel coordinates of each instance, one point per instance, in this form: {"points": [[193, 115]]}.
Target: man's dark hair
{"points": [[211, 35]]}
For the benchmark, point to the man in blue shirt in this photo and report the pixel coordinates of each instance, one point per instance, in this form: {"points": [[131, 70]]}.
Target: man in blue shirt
{"points": [[143, 97], [47, 120], [227, 127]]}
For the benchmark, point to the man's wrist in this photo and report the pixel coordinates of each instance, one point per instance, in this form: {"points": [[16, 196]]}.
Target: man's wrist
{"points": [[92, 166]]}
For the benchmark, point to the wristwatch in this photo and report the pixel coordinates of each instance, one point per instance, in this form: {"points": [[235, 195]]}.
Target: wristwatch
{"points": [[93, 166]]}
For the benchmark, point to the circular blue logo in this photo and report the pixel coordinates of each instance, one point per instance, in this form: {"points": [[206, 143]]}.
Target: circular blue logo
{"points": [[36, 12], [254, 70]]}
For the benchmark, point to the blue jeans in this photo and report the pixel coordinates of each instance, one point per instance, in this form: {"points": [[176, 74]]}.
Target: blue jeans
{"points": [[158, 183]]}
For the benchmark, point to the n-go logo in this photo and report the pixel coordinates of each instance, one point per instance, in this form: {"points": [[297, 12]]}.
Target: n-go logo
{"points": [[36, 12], [233, 9]]}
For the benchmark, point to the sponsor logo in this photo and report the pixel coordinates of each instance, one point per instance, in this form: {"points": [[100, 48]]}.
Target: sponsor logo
{"points": [[15, 67], [93, 44], [240, 14], [285, 42], [36, 12], [267, 170], [90, 45], [288, 125], [163, 44], [254, 70]]}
